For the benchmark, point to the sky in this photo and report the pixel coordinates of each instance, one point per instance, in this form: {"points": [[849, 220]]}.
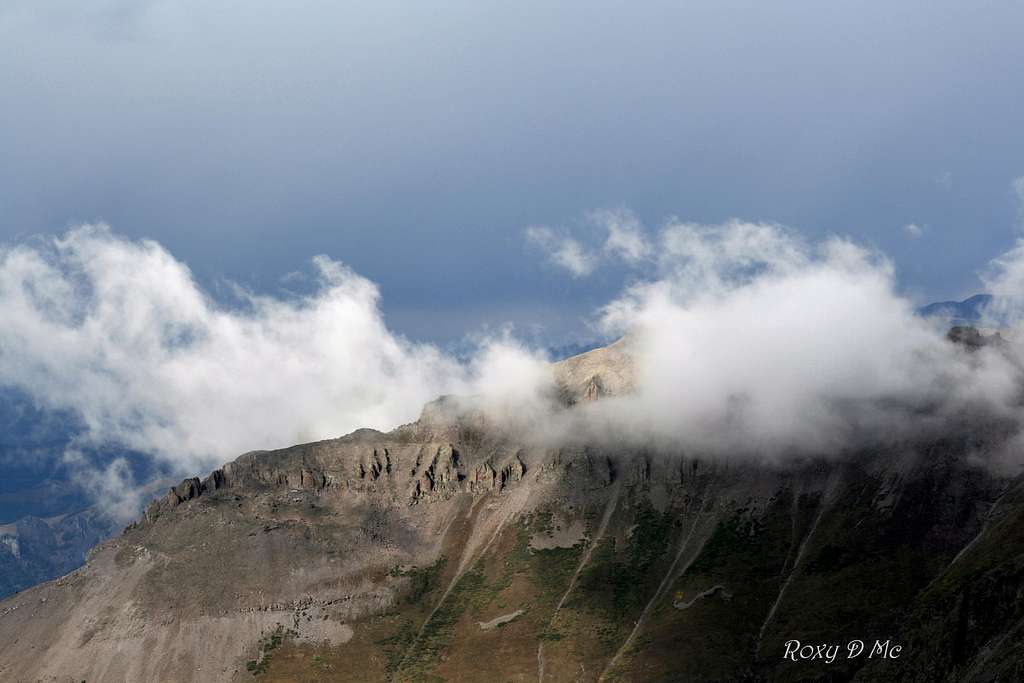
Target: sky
{"points": [[236, 225], [419, 143]]}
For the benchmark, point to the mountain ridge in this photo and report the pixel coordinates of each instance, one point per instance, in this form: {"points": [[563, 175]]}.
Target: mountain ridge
{"points": [[447, 549], [969, 311]]}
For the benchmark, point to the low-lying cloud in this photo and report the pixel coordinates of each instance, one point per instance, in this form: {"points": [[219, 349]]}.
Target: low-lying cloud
{"points": [[750, 339], [746, 338], [120, 332]]}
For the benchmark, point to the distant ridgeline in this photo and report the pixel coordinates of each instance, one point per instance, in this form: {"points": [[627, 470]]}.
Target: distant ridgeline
{"points": [[966, 312], [47, 524], [557, 353]]}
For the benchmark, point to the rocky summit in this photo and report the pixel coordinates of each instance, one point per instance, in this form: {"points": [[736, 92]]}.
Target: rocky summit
{"points": [[448, 550]]}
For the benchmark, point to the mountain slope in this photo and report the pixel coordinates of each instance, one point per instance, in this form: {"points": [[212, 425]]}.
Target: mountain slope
{"points": [[449, 550], [407, 556], [970, 311]]}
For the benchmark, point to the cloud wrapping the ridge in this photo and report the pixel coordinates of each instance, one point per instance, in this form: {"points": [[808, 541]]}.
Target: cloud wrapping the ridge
{"points": [[746, 339], [119, 331], [749, 339]]}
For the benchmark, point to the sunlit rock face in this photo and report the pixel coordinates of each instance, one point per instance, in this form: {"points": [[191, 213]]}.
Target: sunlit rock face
{"points": [[607, 371]]}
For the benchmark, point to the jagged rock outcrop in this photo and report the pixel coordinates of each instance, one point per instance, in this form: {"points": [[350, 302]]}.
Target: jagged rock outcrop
{"points": [[973, 338]]}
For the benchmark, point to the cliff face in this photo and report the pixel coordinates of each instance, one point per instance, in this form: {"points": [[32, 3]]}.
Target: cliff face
{"points": [[430, 553]]}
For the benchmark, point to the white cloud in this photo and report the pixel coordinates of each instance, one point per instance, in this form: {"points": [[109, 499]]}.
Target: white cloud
{"points": [[1003, 278], [111, 485], [751, 339], [626, 238], [913, 230], [563, 251], [119, 331], [748, 339]]}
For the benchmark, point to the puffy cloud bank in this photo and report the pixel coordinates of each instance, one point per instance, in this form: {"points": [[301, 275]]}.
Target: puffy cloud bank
{"points": [[119, 331], [746, 337], [750, 339]]}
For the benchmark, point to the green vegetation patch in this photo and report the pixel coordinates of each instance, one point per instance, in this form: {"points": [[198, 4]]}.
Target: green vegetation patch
{"points": [[437, 632], [617, 583], [396, 645], [267, 645], [481, 588], [423, 580]]}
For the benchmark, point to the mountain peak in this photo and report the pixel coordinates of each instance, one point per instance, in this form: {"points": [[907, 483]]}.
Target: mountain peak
{"points": [[969, 311]]}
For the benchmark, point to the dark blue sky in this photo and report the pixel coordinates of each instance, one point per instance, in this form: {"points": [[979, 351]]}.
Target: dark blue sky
{"points": [[416, 143]]}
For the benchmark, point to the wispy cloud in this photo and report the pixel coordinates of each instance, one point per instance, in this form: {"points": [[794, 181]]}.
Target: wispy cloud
{"points": [[913, 230], [563, 251], [626, 238], [611, 235]]}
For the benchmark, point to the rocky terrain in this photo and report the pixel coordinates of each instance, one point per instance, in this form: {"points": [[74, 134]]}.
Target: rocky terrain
{"points": [[449, 550]]}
